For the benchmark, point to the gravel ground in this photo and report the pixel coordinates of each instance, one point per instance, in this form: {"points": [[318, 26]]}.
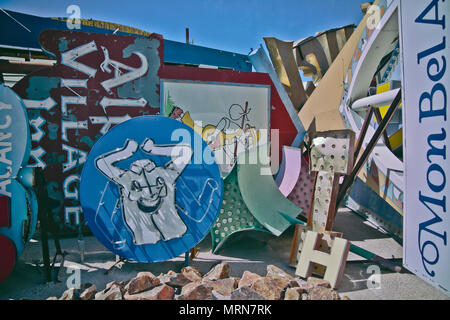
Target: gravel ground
{"points": [[250, 250]]}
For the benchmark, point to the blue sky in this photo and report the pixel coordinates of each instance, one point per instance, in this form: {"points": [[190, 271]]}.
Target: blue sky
{"points": [[231, 25]]}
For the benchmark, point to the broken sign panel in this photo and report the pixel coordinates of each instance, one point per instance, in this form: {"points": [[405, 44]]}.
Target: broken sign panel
{"points": [[284, 122]]}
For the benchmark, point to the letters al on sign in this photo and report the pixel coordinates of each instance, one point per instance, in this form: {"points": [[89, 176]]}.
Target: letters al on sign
{"points": [[98, 81], [426, 54], [150, 189]]}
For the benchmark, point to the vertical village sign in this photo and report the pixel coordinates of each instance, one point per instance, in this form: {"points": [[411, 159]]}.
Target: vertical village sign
{"points": [[98, 81]]}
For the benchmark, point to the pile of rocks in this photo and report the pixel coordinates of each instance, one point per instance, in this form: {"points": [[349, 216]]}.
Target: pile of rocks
{"points": [[217, 284]]}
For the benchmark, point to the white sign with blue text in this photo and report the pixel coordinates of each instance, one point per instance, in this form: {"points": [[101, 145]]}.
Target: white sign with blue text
{"points": [[424, 29]]}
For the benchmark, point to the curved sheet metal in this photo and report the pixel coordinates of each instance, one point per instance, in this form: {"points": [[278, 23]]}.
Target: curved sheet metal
{"points": [[373, 51], [324, 102], [261, 194], [382, 174], [376, 101], [234, 215], [382, 163], [283, 60], [302, 193], [315, 54], [289, 171]]}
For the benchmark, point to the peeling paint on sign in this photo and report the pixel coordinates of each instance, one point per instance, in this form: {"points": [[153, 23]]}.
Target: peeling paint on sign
{"points": [[99, 80]]}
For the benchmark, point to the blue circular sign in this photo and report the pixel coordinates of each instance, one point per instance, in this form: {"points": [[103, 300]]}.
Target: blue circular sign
{"points": [[150, 189]]}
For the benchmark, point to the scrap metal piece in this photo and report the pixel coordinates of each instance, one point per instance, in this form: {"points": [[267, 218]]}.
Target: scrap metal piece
{"points": [[368, 204], [261, 194], [370, 50], [283, 60], [348, 181], [234, 215], [334, 262], [380, 182], [322, 209], [261, 63], [290, 168], [314, 55], [302, 193], [310, 88], [324, 102], [331, 155], [297, 245], [332, 151]]}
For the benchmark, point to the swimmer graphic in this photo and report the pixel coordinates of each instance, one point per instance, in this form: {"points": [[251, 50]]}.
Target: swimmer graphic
{"points": [[148, 191]]}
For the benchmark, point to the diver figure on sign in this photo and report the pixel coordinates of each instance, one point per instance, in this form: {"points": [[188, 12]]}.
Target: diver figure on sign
{"points": [[148, 191]]}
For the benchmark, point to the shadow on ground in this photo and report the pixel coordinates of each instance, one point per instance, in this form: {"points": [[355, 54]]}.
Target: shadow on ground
{"points": [[250, 250]]}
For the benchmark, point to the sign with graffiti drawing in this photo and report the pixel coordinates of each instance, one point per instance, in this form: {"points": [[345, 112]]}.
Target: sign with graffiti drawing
{"points": [[230, 117], [150, 189], [98, 81]]}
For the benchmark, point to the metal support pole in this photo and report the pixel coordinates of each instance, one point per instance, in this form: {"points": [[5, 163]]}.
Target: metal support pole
{"points": [[42, 214], [362, 133], [385, 135], [348, 180]]}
